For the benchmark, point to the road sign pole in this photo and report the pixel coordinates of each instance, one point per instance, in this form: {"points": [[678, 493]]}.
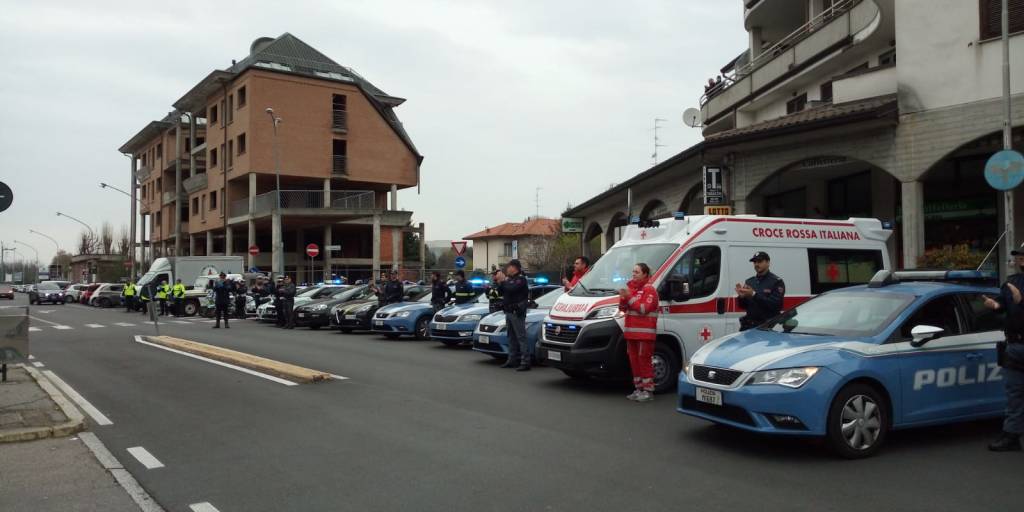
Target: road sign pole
{"points": [[1007, 128]]}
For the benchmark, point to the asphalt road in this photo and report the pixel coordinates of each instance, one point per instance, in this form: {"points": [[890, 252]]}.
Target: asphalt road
{"points": [[421, 427]]}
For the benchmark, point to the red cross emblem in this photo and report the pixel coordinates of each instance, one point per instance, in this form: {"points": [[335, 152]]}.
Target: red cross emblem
{"points": [[833, 272], [705, 333], [643, 235]]}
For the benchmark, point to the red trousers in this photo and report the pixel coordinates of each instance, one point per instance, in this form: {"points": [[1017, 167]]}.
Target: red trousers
{"points": [[640, 357]]}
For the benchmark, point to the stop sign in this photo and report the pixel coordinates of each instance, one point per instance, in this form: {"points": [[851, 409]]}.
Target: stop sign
{"points": [[254, 250], [312, 250]]}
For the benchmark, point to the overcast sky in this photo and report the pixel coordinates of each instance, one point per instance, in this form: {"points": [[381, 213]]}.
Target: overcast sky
{"points": [[503, 96]]}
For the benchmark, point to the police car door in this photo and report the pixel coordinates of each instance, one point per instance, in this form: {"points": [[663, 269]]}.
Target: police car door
{"points": [[701, 318], [937, 378], [987, 328]]}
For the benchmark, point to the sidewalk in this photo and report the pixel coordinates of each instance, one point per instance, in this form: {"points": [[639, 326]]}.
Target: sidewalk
{"points": [[43, 466]]}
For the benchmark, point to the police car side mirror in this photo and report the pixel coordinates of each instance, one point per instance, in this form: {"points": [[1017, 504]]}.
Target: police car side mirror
{"points": [[678, 289], [922, 334]]}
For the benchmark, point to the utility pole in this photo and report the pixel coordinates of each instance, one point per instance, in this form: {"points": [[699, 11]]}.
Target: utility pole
{"points": [[1007, 125], [536, 200], [657, 141]]}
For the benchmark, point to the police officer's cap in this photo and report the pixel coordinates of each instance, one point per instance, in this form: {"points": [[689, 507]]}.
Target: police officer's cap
{"points": [[760, 256], [1017, 252]]}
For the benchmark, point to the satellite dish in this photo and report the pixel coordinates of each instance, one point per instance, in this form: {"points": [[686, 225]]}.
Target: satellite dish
{"points": [[691, 117]]}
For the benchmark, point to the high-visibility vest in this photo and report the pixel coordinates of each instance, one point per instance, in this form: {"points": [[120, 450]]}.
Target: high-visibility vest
{"points": [[129, 290], [161, 291], [178, 291]]}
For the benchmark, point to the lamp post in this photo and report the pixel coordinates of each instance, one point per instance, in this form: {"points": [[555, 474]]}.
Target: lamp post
{"points": [[55, 244], [107, 185], [277, 255], [92, 234]]}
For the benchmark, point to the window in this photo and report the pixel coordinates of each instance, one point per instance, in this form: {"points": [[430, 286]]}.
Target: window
{"points": [[838, 268], [339, 153], [506, 250], [195, 206], [992, 19], [887, 58], [241, 97], [159, 184], [202, 207], [213, 200], [241, 144], [339, 114], [796, 104], [160, 151], [159, 222], [222, 149], [213, 114], [225, 113], [213, 157], [230, 153], [700, 267], [850, 196], [826, 91], [980, 318], [939, 312]]}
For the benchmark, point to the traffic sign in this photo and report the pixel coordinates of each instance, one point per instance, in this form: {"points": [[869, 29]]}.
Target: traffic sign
{"points": [[460, 262], [333, 248], [312, 250], [254, 250], [459, 246], [1005, 170], [254, 270], [6, 196]]}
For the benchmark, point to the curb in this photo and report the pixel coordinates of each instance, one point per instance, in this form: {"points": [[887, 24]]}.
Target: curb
{"points": [[252, 362], [75, 423]]}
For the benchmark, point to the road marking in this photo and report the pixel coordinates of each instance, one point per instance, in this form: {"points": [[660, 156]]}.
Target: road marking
{"points": [[93, 326], [203, 507], [63, 327], [84, 404], [145, 458], [31, 357], [44, 311], [179, 322], [138, 339], [125, 479], [34, 329], [37, 364], [43, 321], [124, 324], [338, 377]]}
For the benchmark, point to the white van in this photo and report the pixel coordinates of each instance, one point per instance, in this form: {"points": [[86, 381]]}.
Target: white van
{"points": [[695, 263]]}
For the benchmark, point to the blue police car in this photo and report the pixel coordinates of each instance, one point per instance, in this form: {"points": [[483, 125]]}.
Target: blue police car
{"points": [[909, 349], [405, 318], [491, 335]]}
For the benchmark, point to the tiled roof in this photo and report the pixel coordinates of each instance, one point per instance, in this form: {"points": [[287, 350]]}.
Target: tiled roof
{"points": [[877, 107], [532, 227]]}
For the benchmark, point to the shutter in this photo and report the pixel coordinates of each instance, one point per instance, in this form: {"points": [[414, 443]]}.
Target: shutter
{"points": [[991, 21]]}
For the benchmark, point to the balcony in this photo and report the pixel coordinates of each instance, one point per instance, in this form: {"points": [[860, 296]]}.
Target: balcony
{"points": [[195, 183], [199, 149], [308, 201], [142, 173], [808, 45], [167, 198], [339, 121], [339, 165]]}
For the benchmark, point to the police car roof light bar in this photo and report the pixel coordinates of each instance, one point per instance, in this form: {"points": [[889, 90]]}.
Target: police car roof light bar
{"points": [[886, 277]]}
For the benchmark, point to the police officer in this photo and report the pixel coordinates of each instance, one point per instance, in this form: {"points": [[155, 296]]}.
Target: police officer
{"points": [[178, 298], [161, 296], [463, 289], [516, 298], [288, 302], [495, 299], [129, 297], [761, 295], [440, 294], [393, 290], [222, 299], [240, 294], [1011, 301], [279, 319]]}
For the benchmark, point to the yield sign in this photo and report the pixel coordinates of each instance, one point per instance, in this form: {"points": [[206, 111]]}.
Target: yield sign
{"points": [[459, 247], [312, 250]]}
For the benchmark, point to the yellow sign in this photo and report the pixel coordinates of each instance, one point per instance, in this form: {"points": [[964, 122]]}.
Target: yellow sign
{"points": [[718, 210]]}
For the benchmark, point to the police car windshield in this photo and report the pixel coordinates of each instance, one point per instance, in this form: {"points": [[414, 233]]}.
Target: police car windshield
{"points": [[852, 314], [615, 268], [425, 298]]}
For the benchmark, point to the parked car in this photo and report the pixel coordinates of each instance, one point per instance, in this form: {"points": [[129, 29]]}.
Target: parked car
{"points": [[46, 291], [405, 318], [73, 293], [6, 291], [267, 312], [358, 315], [87, 293], [456, 324], [491, 336], [107, 295], [316, 314]]}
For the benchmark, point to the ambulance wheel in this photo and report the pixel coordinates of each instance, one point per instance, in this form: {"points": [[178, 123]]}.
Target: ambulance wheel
{"points": [[666, 368], [191, 308], [858, 422]]}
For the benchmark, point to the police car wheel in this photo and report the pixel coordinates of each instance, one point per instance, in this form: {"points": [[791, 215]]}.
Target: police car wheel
{"points": [[858, 422], [422, 328], [666, 368]]}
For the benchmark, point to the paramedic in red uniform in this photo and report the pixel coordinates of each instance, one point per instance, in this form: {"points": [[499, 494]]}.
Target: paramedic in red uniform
{"points": [[640, 303], [761, 295], [579, 269]]}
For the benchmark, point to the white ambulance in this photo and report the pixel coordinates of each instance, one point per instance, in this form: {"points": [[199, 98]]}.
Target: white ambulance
{"points": [[696, 263]]}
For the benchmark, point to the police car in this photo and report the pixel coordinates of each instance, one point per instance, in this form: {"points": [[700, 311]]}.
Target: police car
{"points": [[909, 349]]}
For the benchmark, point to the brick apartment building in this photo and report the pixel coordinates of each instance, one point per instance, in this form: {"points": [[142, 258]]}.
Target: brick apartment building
{"points": [[205, 175]]}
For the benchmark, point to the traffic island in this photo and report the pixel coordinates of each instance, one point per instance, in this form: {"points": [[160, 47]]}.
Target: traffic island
{"points": [[32, 408], [261, 364]]}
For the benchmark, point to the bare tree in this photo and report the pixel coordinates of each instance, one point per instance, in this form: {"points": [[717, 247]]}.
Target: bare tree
{"points": [[86, 244], [106, 238], [124, 241]]}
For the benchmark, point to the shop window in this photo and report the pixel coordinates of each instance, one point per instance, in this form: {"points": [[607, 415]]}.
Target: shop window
{"points": [[991, 17], [850, 196], [796, 104], [838, 268]]}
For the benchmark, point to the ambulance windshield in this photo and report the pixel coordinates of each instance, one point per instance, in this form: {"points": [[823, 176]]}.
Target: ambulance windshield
{"points": [[615, 268]]}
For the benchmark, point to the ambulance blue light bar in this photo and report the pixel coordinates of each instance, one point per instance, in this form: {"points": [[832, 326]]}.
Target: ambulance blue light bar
{"points": [[678, 215], [887, 277], [541, 280], [477, 281]]}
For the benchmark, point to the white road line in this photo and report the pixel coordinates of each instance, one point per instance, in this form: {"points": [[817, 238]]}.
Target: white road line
{"points": [[124, 324], [34, 329], [63, 327], [145, 458], [125, 479], [338, 377], [138, 339], [179, 322], [37, 364], [84, 404], [93, 326], [43, 321], [31, 357], [203, 507]]}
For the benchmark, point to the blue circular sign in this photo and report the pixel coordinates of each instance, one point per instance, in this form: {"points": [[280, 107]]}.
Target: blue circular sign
{"points": [[460, 262], [1005, 170]]}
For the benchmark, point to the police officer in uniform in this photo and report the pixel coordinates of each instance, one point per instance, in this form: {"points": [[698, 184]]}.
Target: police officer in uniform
{"points": [[393, 290], [1011, 358], [516, 298], [463, 289], [288, 302], [440, 294], [161, 295], [495, 299], [761, 295]]}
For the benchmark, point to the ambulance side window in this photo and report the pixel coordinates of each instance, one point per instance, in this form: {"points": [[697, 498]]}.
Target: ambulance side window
{"points": [[838, 268], [701, 267]]}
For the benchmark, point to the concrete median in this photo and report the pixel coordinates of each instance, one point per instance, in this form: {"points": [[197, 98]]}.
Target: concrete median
{"points": [[256, 363]]}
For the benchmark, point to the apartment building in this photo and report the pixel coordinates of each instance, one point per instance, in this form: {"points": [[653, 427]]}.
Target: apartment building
{"points": [[207, 174], [494, 247], [840, 108]]}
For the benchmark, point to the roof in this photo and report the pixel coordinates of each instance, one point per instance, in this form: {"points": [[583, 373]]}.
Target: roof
{"points": [[145, 135], [879, 107], [690, 152], [532, 227]]}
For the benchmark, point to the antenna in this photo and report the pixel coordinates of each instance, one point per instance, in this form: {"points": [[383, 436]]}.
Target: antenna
{"points": [[536, 200], [691, 118], [657, 141]]}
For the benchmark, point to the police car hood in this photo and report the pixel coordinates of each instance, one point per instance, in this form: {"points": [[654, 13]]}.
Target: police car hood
{"points": [[404, 306], [470, 308], [532, 315], [756, 349]]}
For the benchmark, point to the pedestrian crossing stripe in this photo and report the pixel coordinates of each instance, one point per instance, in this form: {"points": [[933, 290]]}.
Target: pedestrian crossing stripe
{"points": [[180, 322], [34, 329], [93, 326], [63, 327], [124, 324]]}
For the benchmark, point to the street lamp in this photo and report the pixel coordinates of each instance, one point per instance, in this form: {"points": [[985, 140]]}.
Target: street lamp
{"points": [[91, 232], [106, 185], [55, 244], [278, 252], [37, 256]]}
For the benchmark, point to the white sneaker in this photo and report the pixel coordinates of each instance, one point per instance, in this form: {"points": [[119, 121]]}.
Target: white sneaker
{"points": [[644, 396], [633, 396]]}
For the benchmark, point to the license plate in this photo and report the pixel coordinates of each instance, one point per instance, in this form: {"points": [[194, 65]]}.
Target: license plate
{"points": [[709, 396], [379, 323], [554, 356], [302, 315], [350, 317], [485, 340], [441, 326]]}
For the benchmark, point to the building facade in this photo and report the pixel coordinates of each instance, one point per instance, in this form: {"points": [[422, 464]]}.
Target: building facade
{"points": [[843, 108], [207, 174], [495, 247]]}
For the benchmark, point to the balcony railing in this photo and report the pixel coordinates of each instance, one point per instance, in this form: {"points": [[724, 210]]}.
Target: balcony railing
{"points": [[142, 173], [307, 200], [339, 120], [195, 183], [838, 9], [339, 164], [168, 197]]}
